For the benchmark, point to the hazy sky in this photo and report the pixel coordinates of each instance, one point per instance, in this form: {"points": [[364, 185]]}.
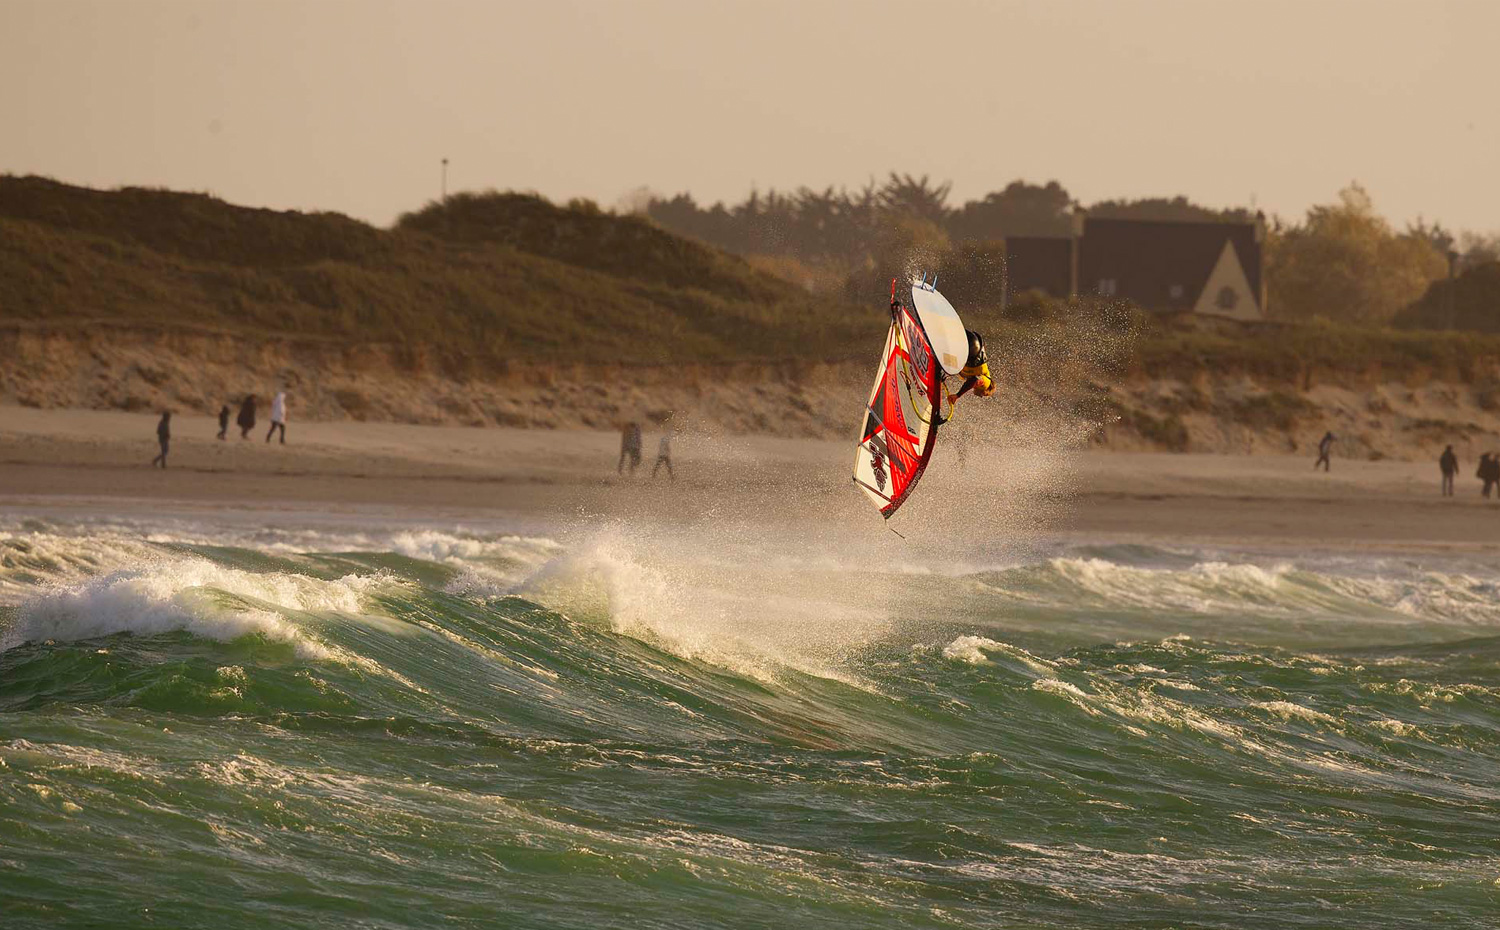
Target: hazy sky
{"points": [[350, 106]]}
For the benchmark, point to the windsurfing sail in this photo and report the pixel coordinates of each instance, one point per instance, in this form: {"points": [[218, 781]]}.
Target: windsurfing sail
{"points": [[897, 437]]}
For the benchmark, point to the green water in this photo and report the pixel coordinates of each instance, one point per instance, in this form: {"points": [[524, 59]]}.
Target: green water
{"points": [[208, 726]]}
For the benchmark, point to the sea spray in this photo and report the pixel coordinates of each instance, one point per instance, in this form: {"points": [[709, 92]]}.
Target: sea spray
{"points": [[699, 593]]}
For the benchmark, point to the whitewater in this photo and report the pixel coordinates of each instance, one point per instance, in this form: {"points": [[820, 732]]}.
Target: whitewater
{"points": [[706, 722]]}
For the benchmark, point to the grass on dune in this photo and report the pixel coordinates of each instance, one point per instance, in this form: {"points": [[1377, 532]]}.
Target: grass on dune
{"points": [[483, 280]]}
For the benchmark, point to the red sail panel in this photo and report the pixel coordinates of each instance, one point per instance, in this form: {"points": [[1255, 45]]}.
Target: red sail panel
{"points": [[897, 436]]}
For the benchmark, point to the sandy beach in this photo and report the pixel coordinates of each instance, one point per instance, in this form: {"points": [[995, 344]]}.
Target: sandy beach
{"points": [[81, 461]]}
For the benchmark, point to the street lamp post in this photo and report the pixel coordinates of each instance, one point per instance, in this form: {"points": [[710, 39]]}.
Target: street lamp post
{"points": [[445, 181]]}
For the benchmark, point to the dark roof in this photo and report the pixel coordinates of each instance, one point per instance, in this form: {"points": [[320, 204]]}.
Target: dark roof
{"points": [[1149, 258]]}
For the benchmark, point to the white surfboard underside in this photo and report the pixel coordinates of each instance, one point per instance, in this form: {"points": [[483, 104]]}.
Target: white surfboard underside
{"points": [[944, 328]]}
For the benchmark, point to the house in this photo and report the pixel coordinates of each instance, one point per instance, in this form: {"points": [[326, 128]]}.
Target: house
{"points": [[1038, 263], [1209, 268]]}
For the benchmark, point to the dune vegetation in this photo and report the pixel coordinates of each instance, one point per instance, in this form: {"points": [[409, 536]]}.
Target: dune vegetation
{"points": [[507, 309], [479, 280]]}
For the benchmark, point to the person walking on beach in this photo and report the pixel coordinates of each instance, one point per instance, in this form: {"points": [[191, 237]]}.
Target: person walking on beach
{"points": [[664, 455], [224, 421], [1325, 445], [278, 416], [1448, 463], [163, 436], [246, 419], [630, 447], [1489, 472]]}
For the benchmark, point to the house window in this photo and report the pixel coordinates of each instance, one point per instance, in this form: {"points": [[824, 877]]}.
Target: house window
{"points": [[1175, 292], [1108, 287], [1227, 299]]}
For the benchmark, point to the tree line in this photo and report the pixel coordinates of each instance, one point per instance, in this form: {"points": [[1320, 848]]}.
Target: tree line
{"points": [[1344, 261], [1341, 261], [848, 225]]}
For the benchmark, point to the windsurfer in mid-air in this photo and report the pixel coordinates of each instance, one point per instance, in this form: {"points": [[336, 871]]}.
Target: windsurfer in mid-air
{"points": [[926, 348]]}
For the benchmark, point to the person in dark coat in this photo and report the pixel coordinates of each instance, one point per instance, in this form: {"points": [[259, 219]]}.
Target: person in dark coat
{"points": [[1448, 464], [163, 436], [630, 447], [246, 419], [1325, 446], [224, 421], [1489, 472]]}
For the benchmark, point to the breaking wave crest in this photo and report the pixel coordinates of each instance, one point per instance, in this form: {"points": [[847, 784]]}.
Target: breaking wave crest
{"points": [[192, 595]]}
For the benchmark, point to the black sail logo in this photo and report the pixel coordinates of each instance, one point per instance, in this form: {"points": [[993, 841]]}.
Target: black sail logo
{"points": [[877, 460]]}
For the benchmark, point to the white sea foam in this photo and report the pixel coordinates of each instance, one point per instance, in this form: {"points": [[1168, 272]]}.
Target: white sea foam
{"points": [[1398, 727], [1332, 591], [1176, 684], [1208, 587], [39, 558], [436, 546], [970, 649], [190, 594], [976, 649], [1286, 710], [32, 550]]}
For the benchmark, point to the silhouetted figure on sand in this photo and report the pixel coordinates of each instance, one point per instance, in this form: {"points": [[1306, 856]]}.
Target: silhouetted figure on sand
{"points": [[1489, 472], [664, 455], [1448, 463], [278, 417], [246, 419], [163, 436], [630, 447], [224, 421], [1325, 446]]}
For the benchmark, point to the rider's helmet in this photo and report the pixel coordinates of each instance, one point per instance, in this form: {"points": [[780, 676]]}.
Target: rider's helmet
{"points": [[976, 349]]}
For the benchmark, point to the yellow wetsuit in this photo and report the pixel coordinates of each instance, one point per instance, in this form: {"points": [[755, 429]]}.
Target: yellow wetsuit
{"points": [[977, 378]]}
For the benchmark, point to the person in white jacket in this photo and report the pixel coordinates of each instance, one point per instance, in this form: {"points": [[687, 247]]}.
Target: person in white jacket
{"points": [[278, 416], [664, 455]]}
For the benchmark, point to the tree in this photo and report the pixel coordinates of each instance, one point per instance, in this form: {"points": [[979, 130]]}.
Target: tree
{"points": [[1177, 208], [1021, 209], [1440, 238], [1476, 249], [905, 195], [1345, 262], [1470, 301]]}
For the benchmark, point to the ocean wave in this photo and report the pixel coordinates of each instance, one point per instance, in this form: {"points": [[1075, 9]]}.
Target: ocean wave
{"points": [[757, 620], [192, 595], [971, 649], [1280, 590], [1287, 710], [656, 724]]}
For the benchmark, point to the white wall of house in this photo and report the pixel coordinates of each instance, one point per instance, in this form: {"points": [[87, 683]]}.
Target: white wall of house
{"points": [[1228, 292]]}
